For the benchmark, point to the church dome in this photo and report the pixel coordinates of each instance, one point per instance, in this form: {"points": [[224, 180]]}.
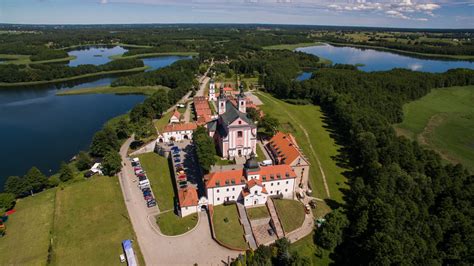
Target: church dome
{"points": [[252, 163]]}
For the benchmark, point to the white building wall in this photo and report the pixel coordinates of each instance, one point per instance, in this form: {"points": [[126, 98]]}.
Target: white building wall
{"points": [[177, 135], [283, 186], [255, 199], [218, 195], [185, 211]]}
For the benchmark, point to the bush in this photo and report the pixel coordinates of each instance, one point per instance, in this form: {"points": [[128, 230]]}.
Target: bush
{"points": [[112, 163], [65, 172], [83, 161], [7, 201]]}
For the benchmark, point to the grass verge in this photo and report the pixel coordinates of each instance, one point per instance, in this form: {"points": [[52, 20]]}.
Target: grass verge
{"points": [[28, 231], [291, 213], [227, 227], [305, 247], [158, 172], [171, 224], [257, 212]]}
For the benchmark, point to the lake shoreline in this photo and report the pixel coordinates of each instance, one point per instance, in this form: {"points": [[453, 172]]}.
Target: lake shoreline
{"points": [[468, 58], [102, 73], [120, 90]]}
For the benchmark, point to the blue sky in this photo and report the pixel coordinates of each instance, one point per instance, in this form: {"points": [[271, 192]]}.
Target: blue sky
{"points": [[380, 13]]}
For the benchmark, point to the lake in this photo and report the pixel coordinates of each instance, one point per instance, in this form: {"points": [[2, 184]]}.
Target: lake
{"points": [[41, 129], [374, 60]]}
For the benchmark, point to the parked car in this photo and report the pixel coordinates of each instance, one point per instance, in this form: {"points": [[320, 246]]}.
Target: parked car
{"points": [[151, 203], [307, 209], [309, 192], [270, 232], [146, 189], [300, 195], [312, 203], [177, 160], [135, 164], [176, 155], [148, 197]]}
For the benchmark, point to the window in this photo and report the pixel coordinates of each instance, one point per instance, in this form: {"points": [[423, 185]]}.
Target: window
{"points": [[239, 134], [286, 190], [233, 197], [218, 199], [217, 191], [255, 192], [272, 184], [227, 190], [287, 182], [240, 122], [278, 183], [233, 189]]}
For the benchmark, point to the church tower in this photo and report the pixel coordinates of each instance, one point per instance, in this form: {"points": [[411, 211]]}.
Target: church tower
{"points": [[241, 100], [212, 90], [221, 101]]}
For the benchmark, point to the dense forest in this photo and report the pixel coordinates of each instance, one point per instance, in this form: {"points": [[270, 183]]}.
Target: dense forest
{"points": [[404, 206], [37, 72]]}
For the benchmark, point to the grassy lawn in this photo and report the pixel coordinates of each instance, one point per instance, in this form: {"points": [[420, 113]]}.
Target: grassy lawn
{"points": [[149, 90], [220, 161], [14, 84], [257, 212], [290, 212], [163, 121], [158, 172], [229, 231], [171, 224], [295, 117], [321, 209], [28, 231], [90, 223], [260, 154], [443, 120], [306, 247]]}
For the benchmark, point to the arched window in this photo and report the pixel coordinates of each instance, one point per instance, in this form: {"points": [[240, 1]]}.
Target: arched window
{"points": [[239, 134]]}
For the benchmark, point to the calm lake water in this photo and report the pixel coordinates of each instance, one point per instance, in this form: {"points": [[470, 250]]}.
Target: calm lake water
{"points": [[374, 60], [94, 55], [41, 129]]}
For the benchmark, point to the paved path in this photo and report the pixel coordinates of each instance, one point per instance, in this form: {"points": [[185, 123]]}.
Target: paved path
{"points": [[279, 229], [244, 220], [195, 247]]}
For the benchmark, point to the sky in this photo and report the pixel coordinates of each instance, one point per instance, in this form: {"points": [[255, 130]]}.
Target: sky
{"points": [[373, 13]]}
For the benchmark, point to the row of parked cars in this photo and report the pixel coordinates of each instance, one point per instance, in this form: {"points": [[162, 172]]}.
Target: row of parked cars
{"points": [[143, 183], [181, 179]]}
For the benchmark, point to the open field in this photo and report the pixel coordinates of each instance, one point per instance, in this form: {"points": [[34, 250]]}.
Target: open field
{"points": [[290, 46], [148, 90], [28, 231], [85, 221], [291, 213], [306, 247], [153, 55], [227, 227], [171, 224], [19, 59], [16, 84], [317, 145], [158, 172], [90, 223], [443, 120], [257, 212]]}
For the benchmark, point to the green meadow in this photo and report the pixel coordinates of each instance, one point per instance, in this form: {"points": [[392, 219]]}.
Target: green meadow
{"points": [[443, 120]]}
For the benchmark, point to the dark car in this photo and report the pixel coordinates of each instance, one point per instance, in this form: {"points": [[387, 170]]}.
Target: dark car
{"points": [[177, 160], [151, 203], [146, 193], [89, 173], [176, 155], [147, 189], [135, 164]]}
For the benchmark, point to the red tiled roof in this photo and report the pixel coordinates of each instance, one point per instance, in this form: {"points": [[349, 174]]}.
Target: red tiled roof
{"points": [[218, 179], [180, 127], [236, 177], [287, 147], [176, 114], [188, 197]]}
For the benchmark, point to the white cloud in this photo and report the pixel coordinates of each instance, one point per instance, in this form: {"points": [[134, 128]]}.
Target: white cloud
{"points": [[104, 2]]}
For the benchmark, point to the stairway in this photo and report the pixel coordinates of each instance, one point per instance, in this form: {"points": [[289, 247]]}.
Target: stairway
{"points": [[244, 220], [276, 222]]}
